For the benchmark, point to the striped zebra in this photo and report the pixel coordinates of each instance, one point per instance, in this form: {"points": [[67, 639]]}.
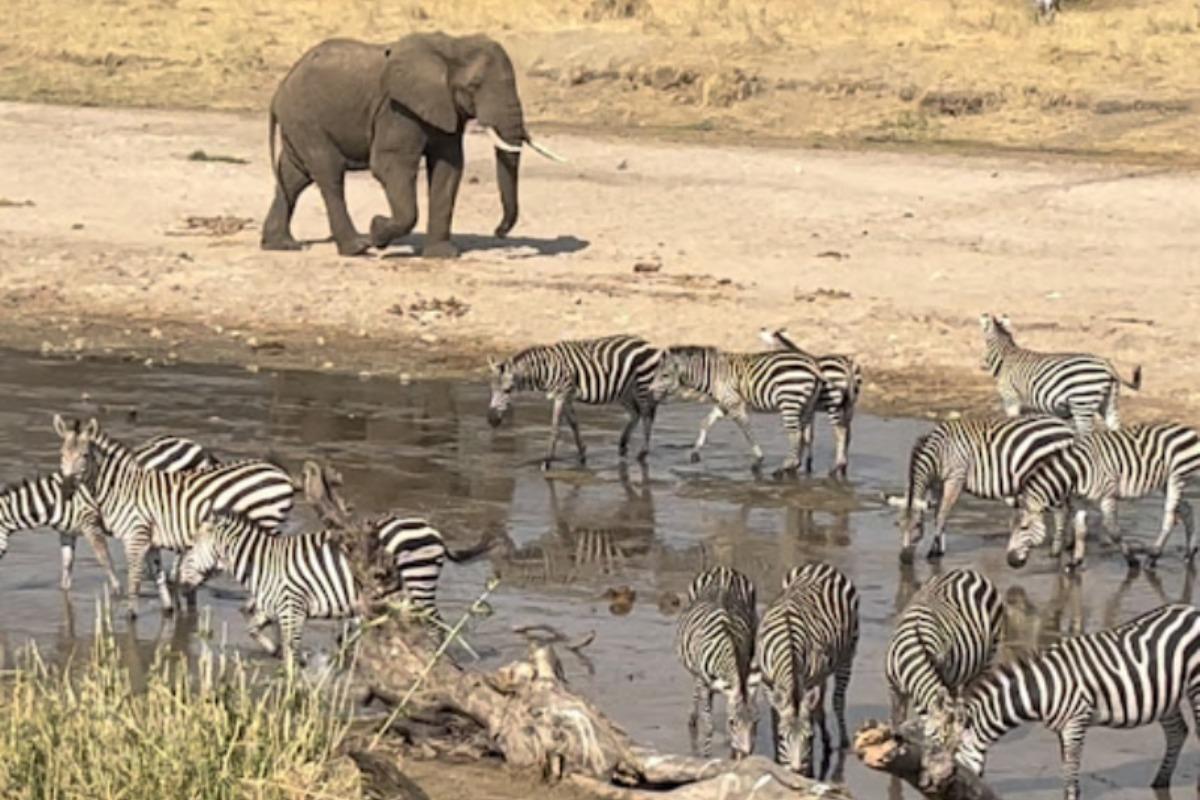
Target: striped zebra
{"points": [[38, 503], [418, 552], [715, 642], [945, 638], [1101, 468], [841, 382], [1123, 677], [593, 371], [1074, 386], [986, 457], [784, 381], [150, 510], [807, 634]]}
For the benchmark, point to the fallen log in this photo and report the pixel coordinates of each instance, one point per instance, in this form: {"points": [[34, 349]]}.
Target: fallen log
{"points": [[527, 714], [927, 767]]}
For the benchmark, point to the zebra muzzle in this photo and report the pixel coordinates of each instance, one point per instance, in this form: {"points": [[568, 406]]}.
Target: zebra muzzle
{"points": [[495, 417], [1016, 559]]}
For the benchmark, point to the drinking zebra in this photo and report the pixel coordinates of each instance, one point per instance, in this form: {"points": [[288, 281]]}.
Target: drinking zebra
{"points": [[715, 642], [149, 509], [38, 502], [807, 635], [946, 637], [986, 457], [841, 380], [1123, 677], [1074, 386], [291, 579], [1101, 468], [593, 371], [785, 381]]}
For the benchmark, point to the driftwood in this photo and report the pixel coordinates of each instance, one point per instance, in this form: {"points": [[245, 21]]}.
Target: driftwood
{"points": [[525, 711], [908, 755]]}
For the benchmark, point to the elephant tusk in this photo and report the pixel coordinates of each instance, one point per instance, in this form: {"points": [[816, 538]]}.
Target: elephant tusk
{"points": [[546, 152], [500, 144]]}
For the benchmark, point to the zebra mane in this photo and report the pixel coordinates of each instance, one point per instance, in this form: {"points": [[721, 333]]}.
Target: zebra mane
{"points": [[13, 487], [691, 350]]}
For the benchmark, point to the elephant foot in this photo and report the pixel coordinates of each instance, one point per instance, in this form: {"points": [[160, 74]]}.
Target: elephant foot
{"points": [[439, 250], [355, 246], [281, 243], [385, 230]]}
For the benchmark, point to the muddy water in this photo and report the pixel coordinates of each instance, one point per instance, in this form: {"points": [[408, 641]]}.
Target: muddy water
{"points": [[574, 534]]}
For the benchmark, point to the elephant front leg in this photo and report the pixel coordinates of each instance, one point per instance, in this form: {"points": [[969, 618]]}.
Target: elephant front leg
{"points": [[397, 171], [444, 167]]}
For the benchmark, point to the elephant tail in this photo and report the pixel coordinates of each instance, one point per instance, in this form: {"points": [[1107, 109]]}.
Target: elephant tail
{"points": [[272, 124]]}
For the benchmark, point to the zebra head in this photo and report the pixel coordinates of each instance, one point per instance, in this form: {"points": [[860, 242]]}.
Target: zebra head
{"points": [[911, 522], [1029, 531], [742, 719], [203, 558], [504, 382], [997, 342], [943, 720], [77, 462], [970, 752], [682, 372]]}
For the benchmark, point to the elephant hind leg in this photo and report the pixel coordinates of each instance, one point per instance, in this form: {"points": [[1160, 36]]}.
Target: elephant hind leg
{"points": [[292, 180], [329, 172]]}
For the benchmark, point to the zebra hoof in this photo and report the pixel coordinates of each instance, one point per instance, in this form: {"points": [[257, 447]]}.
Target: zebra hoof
{"points": [[642, 456], [906, 556], [694, 457], [934, 555], [545, 465]]}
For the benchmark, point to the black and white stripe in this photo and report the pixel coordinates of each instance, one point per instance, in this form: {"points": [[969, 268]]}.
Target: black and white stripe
{"points": [[148, 509], [841, 382], [715, 642], [613, 369], [784, 381], [986, 457], [418, 552], [807, 635], [39, 503], [1102, 468], [1074, 386], [1131, 675], [943, 640]]}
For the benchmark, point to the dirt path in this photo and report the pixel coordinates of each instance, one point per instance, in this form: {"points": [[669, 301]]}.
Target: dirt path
{"points": [[889, 256]]}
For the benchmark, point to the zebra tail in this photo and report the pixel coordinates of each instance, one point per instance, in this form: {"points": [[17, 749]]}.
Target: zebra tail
{"points": [[485, 543], [778, 336]]}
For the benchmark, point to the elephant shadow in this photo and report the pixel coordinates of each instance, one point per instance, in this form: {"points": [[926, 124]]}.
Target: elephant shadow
{"points": [[527, 246]]}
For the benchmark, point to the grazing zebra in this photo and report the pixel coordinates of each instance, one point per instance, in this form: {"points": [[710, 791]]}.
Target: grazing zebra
{"points": [[784, 381], [38, 502], [1122, 677], [593, 371], [150, 509], [1073, 386], [946, 637], [808, 634], [987, 457], [715, 642], [1101, 468], [841, 381]]}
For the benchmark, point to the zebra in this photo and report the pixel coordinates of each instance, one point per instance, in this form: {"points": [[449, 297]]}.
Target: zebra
{"points": [[1074, 386], [1101, 468], [841, 382], [38, 502], [784, 381], [1122, 677], [593, 371], [987, 457], [715, 642], [807, 634], [149, 509], [944, 639], [294, 578]]}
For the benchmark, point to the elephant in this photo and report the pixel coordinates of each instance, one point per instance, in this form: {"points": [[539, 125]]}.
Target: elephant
{"points": [[351, 105]]}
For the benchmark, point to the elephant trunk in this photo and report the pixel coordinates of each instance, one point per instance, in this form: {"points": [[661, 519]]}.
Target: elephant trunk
{"points": [[507, 165]]}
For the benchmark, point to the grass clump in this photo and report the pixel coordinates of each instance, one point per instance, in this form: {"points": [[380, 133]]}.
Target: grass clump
{"points": [[210, 730]]}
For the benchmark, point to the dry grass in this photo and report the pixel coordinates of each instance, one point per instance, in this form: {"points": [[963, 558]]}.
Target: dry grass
{"points": [[215, 733], [1105, 76]]}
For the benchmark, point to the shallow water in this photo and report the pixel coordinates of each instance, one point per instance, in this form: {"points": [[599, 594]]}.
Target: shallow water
{"points": [[426, 449]]}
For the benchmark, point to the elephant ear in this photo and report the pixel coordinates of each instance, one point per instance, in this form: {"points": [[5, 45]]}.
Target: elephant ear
{"points": [[417, 77]]}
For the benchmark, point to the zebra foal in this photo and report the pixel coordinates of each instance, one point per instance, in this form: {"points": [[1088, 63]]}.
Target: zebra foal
{"points": [[1102, 468], [1074, 386], [809, 633], [1127, 676], [986, 457], [150, 510], [593, 371], [715, 642], [841, 380], [946, 636], [785, 381]]}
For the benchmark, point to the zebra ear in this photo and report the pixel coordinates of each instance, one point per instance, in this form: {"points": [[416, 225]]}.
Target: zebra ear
{"points": [[92, 428], [985, 321], [493, 365], [60, 426], [1005, 323]]}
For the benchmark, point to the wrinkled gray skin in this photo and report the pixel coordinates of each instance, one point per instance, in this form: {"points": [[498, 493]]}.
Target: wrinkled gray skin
{"points": [[349, 105]]}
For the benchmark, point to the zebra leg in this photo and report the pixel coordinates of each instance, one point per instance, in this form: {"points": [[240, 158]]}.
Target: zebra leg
{"points": [[1170, 509], [254, 627], [700, 724], [1059, 521], [1080, 548], [1112, 417], [555, 426], [841, 435], [709, 421], [98, 541], [1108, 513], [137, 545], [810, 436], [1175, 729], [841, 682], [634, 411], [816, 707], [569, 411], [291, 632], [648, 413], [1070, 739], [66, 544], [951, 489], [1189, 530]]}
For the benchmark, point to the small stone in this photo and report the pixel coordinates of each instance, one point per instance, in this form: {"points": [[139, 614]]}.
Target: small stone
{"points": [[252, 368], [252, 341], [363, 375], [78, 344], [327, 365], [320, 341], [429, 338], [155, 333], [149, 362], [405, 379]]}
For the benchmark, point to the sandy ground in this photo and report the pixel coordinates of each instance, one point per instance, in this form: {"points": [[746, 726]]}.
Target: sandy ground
{"points": [[888, 256]]}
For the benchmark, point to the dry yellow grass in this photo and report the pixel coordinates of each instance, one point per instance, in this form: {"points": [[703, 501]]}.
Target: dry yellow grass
{"points": [[1106, 76]]}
